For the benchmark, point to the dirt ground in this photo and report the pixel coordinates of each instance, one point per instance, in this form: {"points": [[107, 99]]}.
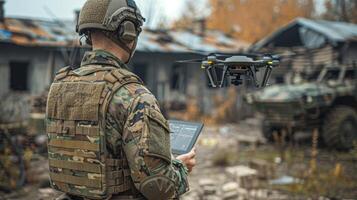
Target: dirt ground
{"points": [[235, 162]]}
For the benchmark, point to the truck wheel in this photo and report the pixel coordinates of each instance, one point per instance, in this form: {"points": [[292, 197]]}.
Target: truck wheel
{"points": [[340, 128]]}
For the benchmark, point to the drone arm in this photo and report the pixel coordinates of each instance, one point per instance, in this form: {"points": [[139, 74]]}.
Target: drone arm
{"points": [[267, 75], [225, 69], [253, 72], [210, 77]]}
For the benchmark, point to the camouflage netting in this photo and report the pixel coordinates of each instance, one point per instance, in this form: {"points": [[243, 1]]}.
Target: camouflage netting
{"points": [[14, 108]]}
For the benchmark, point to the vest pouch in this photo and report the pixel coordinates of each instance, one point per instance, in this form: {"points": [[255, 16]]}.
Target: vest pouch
{"points": [[159, 135], [74, 101]]}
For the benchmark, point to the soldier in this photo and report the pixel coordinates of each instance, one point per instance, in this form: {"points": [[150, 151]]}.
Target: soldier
{"points": [[107, 138]]}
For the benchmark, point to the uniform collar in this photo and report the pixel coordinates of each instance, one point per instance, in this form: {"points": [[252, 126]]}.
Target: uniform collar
{"points": [[101, 57]]}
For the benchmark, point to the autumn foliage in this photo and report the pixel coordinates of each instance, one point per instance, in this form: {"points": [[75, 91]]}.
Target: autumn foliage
{"points": [[341, 10], [251, 20]]}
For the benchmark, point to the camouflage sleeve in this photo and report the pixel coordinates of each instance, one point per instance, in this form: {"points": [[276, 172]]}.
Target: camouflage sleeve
{"points": [[146, 143]]}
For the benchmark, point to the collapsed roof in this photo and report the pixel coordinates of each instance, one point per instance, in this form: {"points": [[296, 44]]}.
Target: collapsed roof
{"points": [[34, 32], [309, 34]]}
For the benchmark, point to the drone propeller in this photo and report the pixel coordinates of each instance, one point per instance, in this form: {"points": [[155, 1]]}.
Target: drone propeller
{"points": [[190, 61]]}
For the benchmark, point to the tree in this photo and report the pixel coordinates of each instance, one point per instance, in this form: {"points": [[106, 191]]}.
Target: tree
{"points": [[251, 20], [189, 17], [154, 19], [341, 10]]}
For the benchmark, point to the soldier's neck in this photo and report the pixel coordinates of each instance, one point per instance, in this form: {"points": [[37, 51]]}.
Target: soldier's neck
{"points": [[117, 52], [101, 42]]}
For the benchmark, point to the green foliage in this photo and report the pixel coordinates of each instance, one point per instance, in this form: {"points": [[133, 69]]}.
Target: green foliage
{"points": [[325, 183]]}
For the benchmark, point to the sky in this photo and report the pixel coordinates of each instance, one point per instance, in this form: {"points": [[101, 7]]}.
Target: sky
{"points": [[64, 9], [169, 10]]}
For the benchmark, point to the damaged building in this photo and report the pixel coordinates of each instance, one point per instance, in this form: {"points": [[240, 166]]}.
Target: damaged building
{"points": [[32, 50], [308, 45]]}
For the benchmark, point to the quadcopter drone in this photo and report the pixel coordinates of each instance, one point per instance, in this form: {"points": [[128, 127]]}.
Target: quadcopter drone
{"points": [[236, 67]]}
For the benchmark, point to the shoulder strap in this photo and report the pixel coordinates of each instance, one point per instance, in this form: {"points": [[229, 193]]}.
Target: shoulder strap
{"points": [[116, 79], [62, 73]]}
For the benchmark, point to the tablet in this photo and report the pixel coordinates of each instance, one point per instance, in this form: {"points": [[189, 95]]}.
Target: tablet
{"points": [[183, 136]]}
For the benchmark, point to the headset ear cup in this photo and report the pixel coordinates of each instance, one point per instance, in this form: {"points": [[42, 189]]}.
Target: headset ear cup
{"points": [[128, 32]]}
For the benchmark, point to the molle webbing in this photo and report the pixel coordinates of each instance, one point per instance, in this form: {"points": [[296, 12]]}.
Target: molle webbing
{"points": [[87, 167], [72, 129], [75, 180], [76, 111], [74, 144]]}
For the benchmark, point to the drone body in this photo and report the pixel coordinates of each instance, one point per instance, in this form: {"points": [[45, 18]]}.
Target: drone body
{"points": [[236, 68]]}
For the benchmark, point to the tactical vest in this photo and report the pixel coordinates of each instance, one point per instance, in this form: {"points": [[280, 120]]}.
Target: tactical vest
{"points": [[76, 119]]}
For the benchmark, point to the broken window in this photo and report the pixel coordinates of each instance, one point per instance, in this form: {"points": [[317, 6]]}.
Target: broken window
{"points": [[178, 80], [19, 76]]}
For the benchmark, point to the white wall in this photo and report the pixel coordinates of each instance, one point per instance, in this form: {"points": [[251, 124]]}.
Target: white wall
{"points": [[39, 72]]}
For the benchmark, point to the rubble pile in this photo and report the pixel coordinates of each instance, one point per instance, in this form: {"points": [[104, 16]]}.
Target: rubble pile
{"points": [[220, 179], [37, 117], [14, 108], [39, 103], [240, 183]]}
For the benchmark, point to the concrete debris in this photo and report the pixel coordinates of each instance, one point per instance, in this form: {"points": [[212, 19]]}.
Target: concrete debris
{"points": [[275, 195], [46, 192], [249, 140], [231, 186], [224, 130], [14, 108], [259, 194], [230, 190], [243, 192], [208, 187], [246, 177], [284, 180], [265, 169], [278, 160], [230, 195]]}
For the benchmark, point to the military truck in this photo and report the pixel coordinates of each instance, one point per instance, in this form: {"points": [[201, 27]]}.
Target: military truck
{"points": [[327, 102]]}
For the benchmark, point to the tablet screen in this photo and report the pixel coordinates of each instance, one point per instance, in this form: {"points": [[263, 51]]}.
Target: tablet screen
{"points": [[183, 135]]}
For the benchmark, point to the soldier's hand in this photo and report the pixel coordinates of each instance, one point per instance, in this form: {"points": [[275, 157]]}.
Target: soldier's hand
{"points": [[189, 159]]}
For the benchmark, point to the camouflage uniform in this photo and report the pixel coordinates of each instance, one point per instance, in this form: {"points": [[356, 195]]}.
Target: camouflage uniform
{"points": [[137, 131]]}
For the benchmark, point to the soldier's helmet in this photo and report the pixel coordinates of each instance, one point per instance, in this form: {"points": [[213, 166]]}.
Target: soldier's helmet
{"points": [[111, 15]]}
